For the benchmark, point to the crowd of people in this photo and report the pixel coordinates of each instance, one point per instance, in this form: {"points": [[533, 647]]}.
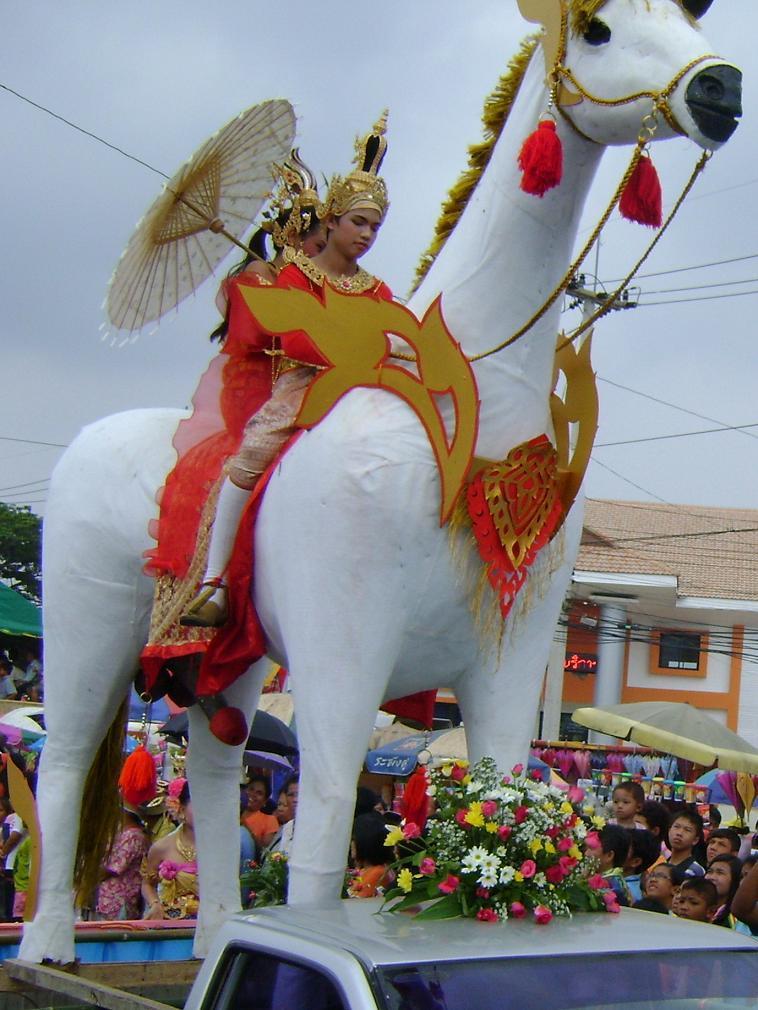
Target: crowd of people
{"points": [[21, 676], [664, 858]]}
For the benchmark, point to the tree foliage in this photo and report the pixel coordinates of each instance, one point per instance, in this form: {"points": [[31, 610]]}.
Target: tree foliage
{"points": [[20, 550]]}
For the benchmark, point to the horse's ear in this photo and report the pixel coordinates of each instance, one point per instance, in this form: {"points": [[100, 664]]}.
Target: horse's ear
{"points": [[549, 14], [696, 7]]}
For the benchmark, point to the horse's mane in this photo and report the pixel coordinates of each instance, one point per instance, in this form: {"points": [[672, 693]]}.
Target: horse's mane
{"points": [[497, 107]]}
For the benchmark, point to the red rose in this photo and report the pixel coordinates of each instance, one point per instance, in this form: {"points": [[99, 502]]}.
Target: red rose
{"points": [[460, 816], [553, 832], [554, 874], [528, 868], [449, 885], [575, 794], [482, 892], [458, 773], [504, 832], [597, 882], [565, 844], [489, 808], [411, 830], [487, 915], [517, 769], [427, 866], [517, 910], [520, 814], [567, 864], [542, 915]]}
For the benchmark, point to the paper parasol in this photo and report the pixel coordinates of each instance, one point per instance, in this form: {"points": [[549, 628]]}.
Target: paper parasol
{"points": [[203, 208]]}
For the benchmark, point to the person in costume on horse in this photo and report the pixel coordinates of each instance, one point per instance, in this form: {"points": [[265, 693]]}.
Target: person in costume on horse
{"points": [[353, 213]]}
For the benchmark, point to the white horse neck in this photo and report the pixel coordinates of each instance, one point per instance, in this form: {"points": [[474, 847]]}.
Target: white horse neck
{"points": [[505, 257]]}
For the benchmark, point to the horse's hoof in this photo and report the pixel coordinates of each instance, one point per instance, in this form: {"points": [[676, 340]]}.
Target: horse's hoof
{"points": [[205, 611]]}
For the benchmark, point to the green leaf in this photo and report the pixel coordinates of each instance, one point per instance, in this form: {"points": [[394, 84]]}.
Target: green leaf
{"points": [[409, 901], [446, 908]]}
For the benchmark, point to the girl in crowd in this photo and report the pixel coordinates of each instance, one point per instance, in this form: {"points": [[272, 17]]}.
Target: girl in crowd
{"points": [[169, 879], [660, 883], [119, 894], [725, 873], [353, 213], [369, 856]]}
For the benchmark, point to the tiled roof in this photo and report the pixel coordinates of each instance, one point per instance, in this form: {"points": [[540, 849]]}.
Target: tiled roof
{"points": [[713, 552]]}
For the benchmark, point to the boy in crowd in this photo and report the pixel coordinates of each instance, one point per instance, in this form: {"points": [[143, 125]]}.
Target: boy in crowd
{"points": [[628, 799], [644, 852], [722, 842], [697, 899], [685, 832]]}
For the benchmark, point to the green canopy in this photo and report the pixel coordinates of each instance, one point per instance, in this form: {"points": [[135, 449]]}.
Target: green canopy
{"points": [[19, 616]]}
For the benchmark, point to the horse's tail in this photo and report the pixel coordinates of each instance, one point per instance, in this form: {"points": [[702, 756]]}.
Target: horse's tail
{"points": [[100, 816]]}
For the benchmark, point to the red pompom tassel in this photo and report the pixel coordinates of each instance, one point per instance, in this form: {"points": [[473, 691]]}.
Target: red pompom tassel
{"points": [[138, 780], [541, 159], [642, 200], [229, 726], [415, 802]]}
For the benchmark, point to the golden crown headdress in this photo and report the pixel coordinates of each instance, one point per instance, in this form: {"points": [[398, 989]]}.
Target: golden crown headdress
{"points": [[293, 208], [363, 187]]}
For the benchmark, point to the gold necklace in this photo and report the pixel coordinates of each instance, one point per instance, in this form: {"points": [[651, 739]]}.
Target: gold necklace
{"points": [[357, 284], [186, 851]]}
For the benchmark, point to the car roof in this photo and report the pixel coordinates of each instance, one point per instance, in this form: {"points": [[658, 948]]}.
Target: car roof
{"points": [[386, 938]]}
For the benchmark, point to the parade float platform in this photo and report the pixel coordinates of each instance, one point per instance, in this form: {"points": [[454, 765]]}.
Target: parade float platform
{"points": [[119, 966]]}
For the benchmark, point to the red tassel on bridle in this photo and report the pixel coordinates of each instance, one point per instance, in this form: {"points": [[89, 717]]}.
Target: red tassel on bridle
{"points": [[642, 200], [541, 159]]}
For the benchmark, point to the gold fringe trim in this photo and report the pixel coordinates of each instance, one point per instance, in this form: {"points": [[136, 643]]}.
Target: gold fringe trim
{"points": [[494, 117], [582, 12]]}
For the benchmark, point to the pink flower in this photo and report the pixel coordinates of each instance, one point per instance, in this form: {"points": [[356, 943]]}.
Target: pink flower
{"points": [[520, 814], [487, 915], [167, 870], [411, 830], [517, 769], [536, 775], [175, 787], [489, 808], [567, 864], [575, 794], [504, 832], [597, 882], [506, 780], [517, 910], [427, 866], [542, 915], [482, 892], [609, 897], [458, 773], [565, 844], [592, 840], [553, 832], [554, 874], [449, 885], [460, 816], [528, 868], [612, 906]]}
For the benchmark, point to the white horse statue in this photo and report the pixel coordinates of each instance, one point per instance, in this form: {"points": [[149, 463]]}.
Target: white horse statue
{"points": [[355, 583]]}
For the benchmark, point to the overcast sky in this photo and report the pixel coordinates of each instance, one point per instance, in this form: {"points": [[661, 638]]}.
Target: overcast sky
{"points": [[156, 77]]}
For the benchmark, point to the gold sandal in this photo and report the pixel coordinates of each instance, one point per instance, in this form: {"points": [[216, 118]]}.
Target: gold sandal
{"points": [[203, 611]]}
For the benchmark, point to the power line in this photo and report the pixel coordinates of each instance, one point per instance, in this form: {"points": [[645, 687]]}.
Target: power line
{"points": [[705, 298], [702, 287], [30, 483], [86, 133], [681, 270], [683, 434], [631, 482], [33, 441]]}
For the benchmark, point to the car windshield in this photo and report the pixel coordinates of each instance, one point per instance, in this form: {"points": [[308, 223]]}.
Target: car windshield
{"points": [[676, 980]]}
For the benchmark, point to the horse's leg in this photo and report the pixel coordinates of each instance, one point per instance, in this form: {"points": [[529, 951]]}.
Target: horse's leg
{"points": [[213, 770], [499, 698], [88, 669], [336, 698]]}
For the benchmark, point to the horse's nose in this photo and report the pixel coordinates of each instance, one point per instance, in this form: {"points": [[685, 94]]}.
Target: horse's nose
{"points": [[714, 98]]}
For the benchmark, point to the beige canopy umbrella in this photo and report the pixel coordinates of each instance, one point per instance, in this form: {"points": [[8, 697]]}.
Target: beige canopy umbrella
{"points": [[675, 728], [202, 211]]}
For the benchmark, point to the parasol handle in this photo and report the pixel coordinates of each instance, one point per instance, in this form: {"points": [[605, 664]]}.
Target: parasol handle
{"points": [[216, 225]]}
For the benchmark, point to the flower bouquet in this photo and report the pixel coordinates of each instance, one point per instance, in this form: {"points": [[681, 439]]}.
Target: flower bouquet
{"points": [[498, 847], [266, 881]]}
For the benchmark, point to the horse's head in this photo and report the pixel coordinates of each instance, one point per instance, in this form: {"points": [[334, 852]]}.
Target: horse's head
{"points": [[615, 62]]}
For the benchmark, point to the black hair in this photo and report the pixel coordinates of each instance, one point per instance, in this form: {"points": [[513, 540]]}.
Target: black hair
{"points": [[714, 815], [730, 834], [705, 888], [651, 905], [656, 816], [688, 814], [365, 800], [645, 847], [369, 834], [615, 839], [634, 789], [184, 795], [292, 780]]}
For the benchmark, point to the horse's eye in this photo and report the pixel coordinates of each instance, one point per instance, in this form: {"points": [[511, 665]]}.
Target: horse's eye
{"points": [[598, 33]]}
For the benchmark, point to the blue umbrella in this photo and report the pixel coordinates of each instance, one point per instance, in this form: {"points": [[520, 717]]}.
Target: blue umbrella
{"points": [[710, 779]]}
